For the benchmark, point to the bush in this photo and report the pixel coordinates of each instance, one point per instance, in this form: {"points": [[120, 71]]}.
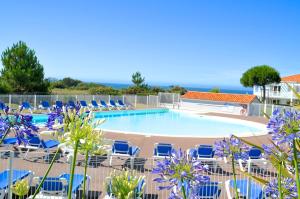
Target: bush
{"points": [[103, 91]]}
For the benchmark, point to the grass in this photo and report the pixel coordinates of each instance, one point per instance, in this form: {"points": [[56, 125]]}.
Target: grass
{"points": [[59, 91]]}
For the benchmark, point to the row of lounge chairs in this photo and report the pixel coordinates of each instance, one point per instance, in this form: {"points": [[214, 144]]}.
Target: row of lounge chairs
{"points": [[45, 105], [205, 153]]}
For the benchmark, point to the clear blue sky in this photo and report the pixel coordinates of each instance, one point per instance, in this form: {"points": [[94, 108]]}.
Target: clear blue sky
{"points": [[200, 42]]}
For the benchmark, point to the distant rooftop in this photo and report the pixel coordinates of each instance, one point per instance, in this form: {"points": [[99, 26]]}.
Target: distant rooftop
{"points": [[291, 78], [222, 97]]}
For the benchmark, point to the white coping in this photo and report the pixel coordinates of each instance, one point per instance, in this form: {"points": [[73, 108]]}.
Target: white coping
{"points": [[193, 114]]}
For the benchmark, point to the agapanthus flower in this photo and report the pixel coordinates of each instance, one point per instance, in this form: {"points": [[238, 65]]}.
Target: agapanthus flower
{"points": [[177, 171], [289, 188], [232, 147], [55, 117], [20, 125], [284, 126]]}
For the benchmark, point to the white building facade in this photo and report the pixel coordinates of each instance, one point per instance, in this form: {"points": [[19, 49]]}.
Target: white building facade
{"points": [[281, 93]]}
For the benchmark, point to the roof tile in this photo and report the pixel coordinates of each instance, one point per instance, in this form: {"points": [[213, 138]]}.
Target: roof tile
{"points": [[224, 97], [291, 78]]}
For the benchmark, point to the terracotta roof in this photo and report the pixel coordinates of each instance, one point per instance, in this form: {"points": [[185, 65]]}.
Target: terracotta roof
{"points": [[223, 97], [291, 78]]}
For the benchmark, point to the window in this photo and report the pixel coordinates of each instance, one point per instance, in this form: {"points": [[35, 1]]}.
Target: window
{"points": [[276, 88], [275, 101]]}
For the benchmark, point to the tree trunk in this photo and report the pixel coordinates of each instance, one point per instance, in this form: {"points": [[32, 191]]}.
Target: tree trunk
{"points": [[264, 94]]}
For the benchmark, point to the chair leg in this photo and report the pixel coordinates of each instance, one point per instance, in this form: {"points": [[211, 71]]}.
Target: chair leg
{"points": [[110, 160], [131, 162]]}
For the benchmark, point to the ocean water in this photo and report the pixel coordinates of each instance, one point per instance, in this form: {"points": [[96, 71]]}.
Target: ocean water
{"points": [[203, 89]]}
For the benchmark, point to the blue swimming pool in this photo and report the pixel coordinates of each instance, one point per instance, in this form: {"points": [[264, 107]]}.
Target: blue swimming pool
{"points": [[166, 122]]}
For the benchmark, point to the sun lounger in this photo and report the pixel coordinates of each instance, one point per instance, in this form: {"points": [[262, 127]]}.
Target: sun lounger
{"points": [[255, 156], [58, 186], [45, 106], [16, 176], [162, 150], [71, 104], [124, 149], [58, 105], [122, 104], [3, 107], [26, 106], [204, 153], [210, 190], [35, 143], [255, 189], [83, 104], [103, 104], [113, 104], [95, 105]]}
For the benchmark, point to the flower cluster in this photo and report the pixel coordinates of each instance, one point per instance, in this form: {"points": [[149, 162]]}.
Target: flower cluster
{"points": [[289, 189], [232, 147], [55, 117], [21, 125], [284, 126], [180, 174]]}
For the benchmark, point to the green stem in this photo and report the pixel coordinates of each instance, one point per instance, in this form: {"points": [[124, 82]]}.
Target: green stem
{"points": [[5, 134], [85, 171], [295, 156], [46, 174], [279, 181], [234, 177], [72, 170], [183, 189]]}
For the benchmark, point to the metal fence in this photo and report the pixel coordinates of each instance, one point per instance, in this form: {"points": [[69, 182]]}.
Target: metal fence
{"points": [[134, 100], [99, 169]]}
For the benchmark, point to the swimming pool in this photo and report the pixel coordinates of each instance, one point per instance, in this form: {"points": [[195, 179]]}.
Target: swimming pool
{"points": [[164, 122]]}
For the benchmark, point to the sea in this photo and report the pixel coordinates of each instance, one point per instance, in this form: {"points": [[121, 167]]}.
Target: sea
{"points": [[190, 88]]}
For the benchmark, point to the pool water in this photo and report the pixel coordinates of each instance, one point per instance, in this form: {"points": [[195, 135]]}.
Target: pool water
{"points": [[171, 123]]}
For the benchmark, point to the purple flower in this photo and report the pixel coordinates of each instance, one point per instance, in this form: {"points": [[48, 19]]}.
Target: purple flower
{"points": [[21, 125], [53, 117], [289, 189], [284, 126], [177, 171], [232, 147]]}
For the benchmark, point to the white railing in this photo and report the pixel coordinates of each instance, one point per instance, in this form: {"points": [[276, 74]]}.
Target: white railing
{"points": [[99, 169]]}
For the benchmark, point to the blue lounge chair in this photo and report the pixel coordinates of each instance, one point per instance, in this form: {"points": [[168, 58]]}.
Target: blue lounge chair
{"points": [[45, 105], [95, 104], [83, 104], [210, 190], [123, 148], [26, 106], [255, 156], [58, 186], [59, 104], [113, 104], [10, 141], [16, 176], [3, 107], [121, 104], [71, 104], [35, 143], [139, 190], [103, 104], [162, 150], [204, 153], [255, 189]]}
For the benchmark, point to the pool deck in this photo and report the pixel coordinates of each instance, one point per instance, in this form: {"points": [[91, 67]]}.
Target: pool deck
{"points": [[146, 143]]}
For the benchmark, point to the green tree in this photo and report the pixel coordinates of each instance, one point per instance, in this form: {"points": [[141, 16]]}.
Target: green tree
{"points": [[177, 89], [22, 71], [215, 90], [137, 79], [260, 76]]}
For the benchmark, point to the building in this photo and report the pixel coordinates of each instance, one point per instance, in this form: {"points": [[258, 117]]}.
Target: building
{"points": [[218, 102], [281, 93]]}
